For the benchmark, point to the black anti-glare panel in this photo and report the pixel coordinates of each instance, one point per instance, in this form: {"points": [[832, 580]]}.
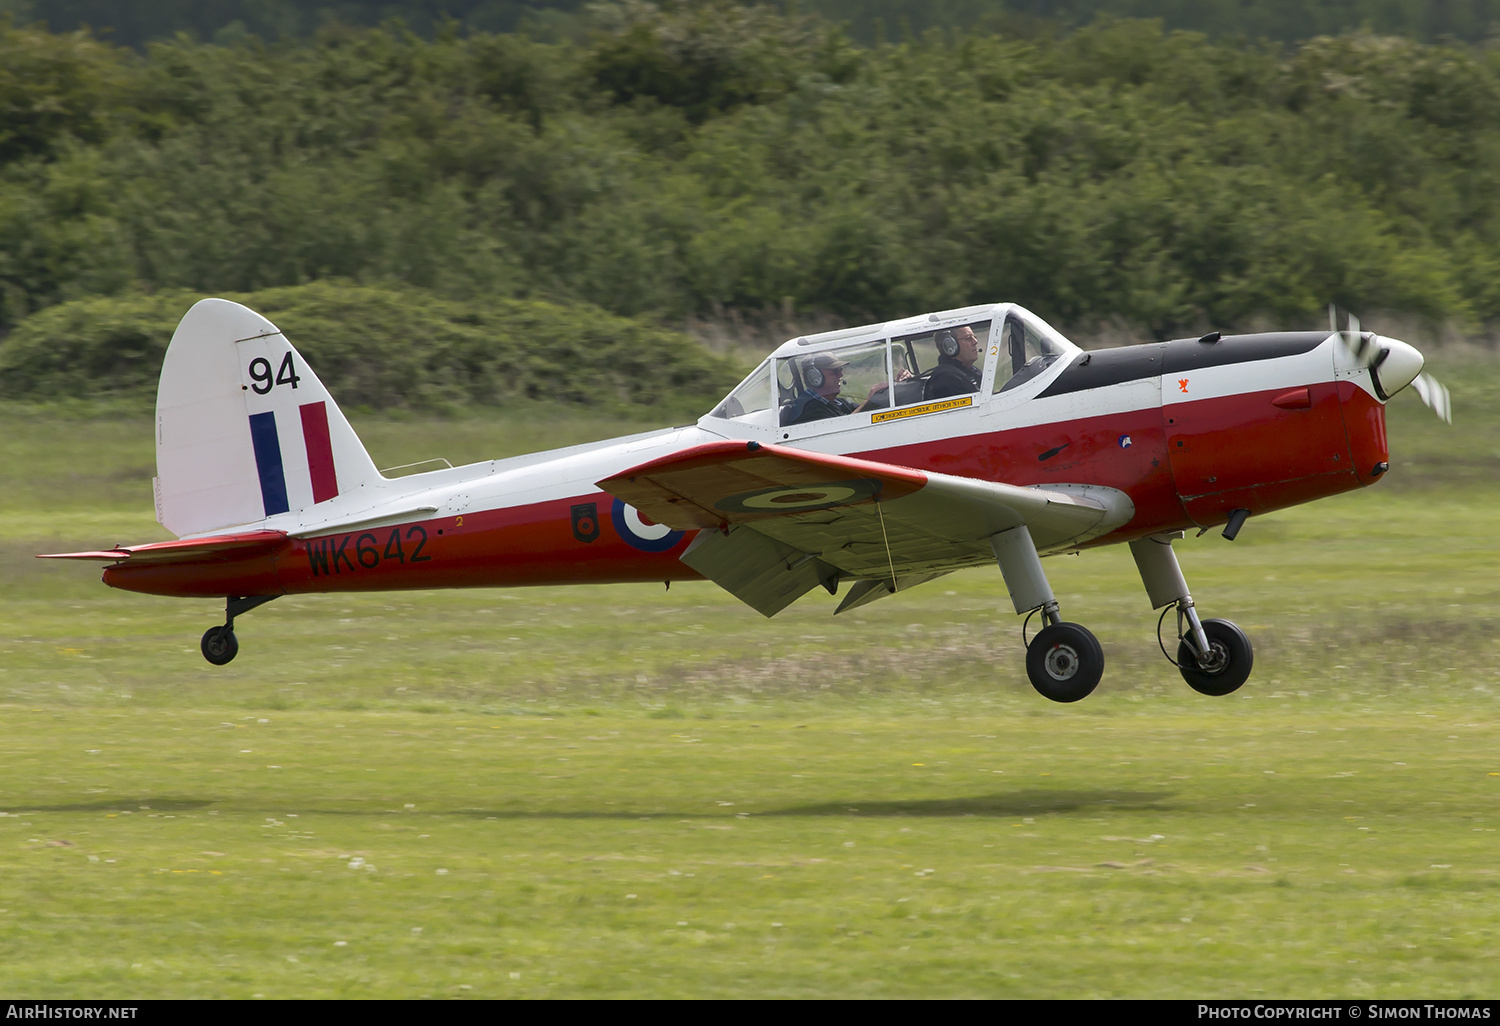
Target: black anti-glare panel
{"points": [[1131, 363]]}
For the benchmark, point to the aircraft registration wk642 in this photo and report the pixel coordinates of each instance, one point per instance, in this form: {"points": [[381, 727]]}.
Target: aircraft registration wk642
{"points": [[877, 457]]}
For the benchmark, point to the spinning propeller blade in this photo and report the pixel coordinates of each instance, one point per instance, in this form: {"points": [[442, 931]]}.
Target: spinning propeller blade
{"points": [[1392, 364], [1435, 394]]}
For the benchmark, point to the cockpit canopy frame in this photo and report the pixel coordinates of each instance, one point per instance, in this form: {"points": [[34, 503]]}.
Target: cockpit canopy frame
{"points": [[891, 365]]}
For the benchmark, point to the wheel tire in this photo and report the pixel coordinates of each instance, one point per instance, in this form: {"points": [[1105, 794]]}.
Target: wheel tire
{"points": [[219, 645], [1065, 662], [1231, 665]]}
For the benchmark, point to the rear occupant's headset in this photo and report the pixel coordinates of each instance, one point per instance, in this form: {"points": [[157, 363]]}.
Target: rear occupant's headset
{"points": [[947, 344]]}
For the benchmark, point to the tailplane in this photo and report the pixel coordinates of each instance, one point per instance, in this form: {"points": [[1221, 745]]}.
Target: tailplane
{"points": [[244, 428]]}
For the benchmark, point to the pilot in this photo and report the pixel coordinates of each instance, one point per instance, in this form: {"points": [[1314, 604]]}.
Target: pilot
{"points": [[820, 400], [957, 371]]}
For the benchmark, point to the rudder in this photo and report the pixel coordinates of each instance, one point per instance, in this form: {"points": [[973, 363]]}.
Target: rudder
{"points": [[244, 428]]}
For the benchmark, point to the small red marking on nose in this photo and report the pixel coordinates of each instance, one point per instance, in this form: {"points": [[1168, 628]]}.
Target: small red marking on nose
{"points": [[1182, 383]]}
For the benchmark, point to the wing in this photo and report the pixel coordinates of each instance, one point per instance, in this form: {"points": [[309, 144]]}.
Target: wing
{"points": [[777, 521], [224, 546]]}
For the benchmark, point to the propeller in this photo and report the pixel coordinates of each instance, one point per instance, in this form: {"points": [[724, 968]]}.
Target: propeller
{"points": [[1393, 365], [1435, 394]]}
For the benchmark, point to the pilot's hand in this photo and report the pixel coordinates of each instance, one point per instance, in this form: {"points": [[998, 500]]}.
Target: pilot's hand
{"points": [[880, 387]]}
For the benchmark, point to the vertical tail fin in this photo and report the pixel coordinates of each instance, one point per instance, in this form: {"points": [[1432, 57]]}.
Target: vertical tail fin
{"points": [[244, 428]]}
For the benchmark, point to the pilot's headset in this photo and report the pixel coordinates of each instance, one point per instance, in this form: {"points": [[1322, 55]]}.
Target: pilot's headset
{"points": [[947, 344], [812, 374]]}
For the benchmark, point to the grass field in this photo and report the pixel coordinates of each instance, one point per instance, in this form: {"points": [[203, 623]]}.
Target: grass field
{"points": [[625, 791]]}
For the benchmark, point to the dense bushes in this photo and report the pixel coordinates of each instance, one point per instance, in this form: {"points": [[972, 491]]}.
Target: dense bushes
{"points": [[135, 22], [685, 158], [382, 348]]}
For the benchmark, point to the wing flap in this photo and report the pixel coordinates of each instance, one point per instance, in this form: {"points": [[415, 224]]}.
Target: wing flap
{"points": [[762, 573], [865, 592]]}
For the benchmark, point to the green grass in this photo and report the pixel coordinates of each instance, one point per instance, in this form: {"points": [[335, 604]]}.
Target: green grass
{"points": [[629, 792], [1264, 849]]}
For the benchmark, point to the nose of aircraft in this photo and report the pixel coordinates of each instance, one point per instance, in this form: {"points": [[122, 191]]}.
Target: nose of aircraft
{"points": [[1397, 365]]}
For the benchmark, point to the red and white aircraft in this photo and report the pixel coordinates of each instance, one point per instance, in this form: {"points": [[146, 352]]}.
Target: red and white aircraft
{"points": [[970, 436]]}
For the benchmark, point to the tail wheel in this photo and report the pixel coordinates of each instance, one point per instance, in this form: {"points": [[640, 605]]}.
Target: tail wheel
{"points": [[220, 645], [1228, 666], [1064, 662]]}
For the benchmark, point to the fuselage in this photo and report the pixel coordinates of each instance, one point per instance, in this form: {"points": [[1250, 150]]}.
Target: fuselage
{"points": [[1190, 430]]}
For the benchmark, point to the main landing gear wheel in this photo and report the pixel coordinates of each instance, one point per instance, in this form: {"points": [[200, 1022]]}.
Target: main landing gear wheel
{"points": [[1064, 662], [220, 645], [1229, 662]]}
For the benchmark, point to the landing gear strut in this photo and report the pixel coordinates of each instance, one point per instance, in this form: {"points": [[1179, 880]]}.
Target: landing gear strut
{"points": [[219, 644], [1213, 656], [1064, 660]]}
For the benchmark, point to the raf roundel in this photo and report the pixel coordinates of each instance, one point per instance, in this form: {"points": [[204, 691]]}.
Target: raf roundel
{"points": [[638, 533], [797, 498]]}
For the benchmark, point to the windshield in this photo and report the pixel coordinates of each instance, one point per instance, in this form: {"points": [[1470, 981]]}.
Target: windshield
{"points": [[751, 396]]}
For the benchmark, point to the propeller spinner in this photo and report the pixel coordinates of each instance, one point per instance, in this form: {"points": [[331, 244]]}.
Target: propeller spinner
{"points": [[1393, 365]]}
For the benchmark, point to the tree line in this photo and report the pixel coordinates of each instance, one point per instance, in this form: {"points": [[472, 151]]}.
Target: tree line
{"points": [[138, 22], [683, 160]]}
